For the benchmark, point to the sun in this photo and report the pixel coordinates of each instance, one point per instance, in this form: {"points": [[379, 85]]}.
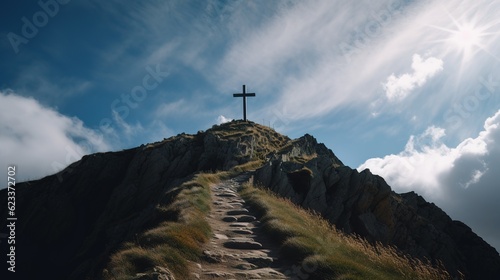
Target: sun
{"points": [[466, 37]]}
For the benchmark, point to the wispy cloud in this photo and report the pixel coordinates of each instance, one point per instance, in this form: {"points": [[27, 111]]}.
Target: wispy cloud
{"points": [[302, 74], [38, 79], [308, 60], [175, 108], [128, 130], [353, 48]]}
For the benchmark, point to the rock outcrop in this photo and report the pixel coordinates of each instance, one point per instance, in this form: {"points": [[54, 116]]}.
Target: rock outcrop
{"points": [[69, 223], [359, 202]]}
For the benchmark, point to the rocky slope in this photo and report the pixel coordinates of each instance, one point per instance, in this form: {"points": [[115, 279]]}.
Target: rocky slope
{"points": [[70, 222], [362, 203]]}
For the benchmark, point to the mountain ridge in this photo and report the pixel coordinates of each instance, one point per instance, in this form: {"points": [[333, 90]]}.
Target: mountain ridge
{"points": [[107, 198]]}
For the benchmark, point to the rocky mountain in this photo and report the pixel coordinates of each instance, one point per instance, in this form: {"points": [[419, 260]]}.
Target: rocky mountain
{"points": [[70, 222], [364, 204]]}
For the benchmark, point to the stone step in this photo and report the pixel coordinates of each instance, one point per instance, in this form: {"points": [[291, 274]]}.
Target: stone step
{"points": [[261, 273], [213, 257], [242, 211], [226, 194], [241, 225], [236, 204], [234, 201], [242, 244], [243, 231], [218, 274], [224, 207], [220, 236], [259, 261], [230, 219], [246, 218]]}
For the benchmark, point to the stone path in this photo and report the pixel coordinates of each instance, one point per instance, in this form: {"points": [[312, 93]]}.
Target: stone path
{"points": [[238, 248]]}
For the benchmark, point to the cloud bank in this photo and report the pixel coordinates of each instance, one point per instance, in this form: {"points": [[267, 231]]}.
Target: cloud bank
{"points": [[463, 180], [39, 140]]}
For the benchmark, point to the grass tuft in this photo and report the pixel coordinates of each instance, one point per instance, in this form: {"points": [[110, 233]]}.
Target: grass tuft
{"points": [[326, 253], [251, 165], [173, 242]]}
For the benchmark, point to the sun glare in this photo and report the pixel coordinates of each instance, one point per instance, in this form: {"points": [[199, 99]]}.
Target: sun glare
{"points": [[466, 37], [469, 34]]}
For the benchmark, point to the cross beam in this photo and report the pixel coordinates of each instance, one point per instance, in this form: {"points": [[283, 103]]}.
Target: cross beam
{"points": [[244, 95]]}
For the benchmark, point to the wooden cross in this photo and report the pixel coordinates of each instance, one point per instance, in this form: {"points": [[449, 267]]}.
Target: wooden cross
{"points": [[244, 95]]}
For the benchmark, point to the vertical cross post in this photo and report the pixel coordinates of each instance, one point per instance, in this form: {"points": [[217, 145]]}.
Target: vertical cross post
{"points": [[244, 95]]}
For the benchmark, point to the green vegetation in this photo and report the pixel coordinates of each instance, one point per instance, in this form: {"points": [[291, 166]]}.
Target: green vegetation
{"points": [[326, 253], [172, 243]]}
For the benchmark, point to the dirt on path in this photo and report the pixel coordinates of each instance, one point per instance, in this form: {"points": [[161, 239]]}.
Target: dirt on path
{"points": [[238, 249]]}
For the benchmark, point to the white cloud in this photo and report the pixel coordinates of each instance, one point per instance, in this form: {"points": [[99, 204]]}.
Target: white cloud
{"points": [[221, 119], [462, 179], [417, 167], [184, 107], [435, 133], [397, 88], [39, 140]]}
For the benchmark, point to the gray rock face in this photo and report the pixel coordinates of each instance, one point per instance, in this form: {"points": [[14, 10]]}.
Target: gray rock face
{"points": [[363, 203]]}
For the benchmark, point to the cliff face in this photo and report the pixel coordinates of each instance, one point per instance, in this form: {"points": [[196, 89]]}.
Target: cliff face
{"points": [[70, 222], [362, 203]]}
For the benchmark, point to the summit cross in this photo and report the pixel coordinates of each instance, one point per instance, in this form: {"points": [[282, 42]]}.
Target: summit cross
{"points": [[244, 95]]}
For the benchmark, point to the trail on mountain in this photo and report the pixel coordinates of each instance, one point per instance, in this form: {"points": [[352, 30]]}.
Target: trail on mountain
{"points": [[238, 249]]}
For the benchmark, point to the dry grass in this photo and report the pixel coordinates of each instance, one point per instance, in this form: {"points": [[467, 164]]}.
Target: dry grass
{"points": [[177, 240], [304, 158], [259, 140], [134, 260], [308, 239], [251, 165], [172, 243]]}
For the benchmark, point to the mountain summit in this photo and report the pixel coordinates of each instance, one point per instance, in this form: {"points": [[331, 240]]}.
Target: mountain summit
{"points": [[71, 223]]}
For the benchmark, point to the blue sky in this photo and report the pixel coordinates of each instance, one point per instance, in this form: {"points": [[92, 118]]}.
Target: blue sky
{"points": [[409, 89]]}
